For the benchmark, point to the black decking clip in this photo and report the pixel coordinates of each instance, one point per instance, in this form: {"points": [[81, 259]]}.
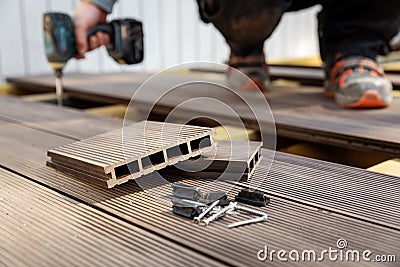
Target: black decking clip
{"points": [[187, 208], [186, 191], [188, 201], [252, 197]]}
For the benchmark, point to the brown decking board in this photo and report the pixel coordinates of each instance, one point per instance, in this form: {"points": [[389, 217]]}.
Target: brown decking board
{"points": [[300, 112], [75, 124], [290, 225], [135, 150], [303, 213], [39, 227], [315, 75], [307, 75]]}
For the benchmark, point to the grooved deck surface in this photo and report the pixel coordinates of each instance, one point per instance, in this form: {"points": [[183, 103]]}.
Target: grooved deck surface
{"points": [[313, 203], [75, 124], [291, 225], [39, 227], [300, 112]]}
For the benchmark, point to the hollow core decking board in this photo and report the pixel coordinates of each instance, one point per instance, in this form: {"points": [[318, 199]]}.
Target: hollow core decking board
{"points": [[229, 158], [133, 151], [302, 112], [290, 225], [39, 227]]}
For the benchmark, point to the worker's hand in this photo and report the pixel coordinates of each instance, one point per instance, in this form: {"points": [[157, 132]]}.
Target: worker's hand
{"points": [[86, 16]]}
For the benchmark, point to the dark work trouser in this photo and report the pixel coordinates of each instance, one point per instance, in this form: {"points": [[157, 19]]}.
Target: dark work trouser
{"points": [[362, 27]]}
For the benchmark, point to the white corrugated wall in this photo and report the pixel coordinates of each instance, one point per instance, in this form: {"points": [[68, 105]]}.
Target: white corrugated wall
{"points": [[173, 34]]}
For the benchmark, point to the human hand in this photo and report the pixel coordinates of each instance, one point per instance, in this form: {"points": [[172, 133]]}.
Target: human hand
{"points": [[86, 16]]}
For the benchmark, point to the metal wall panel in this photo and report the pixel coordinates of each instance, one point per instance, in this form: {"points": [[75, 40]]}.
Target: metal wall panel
{"points": [[173, 31]]}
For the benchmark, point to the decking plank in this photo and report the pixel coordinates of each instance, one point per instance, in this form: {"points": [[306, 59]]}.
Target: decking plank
{"points": [[301, 112], [39, 227]]}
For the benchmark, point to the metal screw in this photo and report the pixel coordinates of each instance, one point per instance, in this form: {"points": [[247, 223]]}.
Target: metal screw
{"points": [[215, 210], [252, 211], [204, 213], [255, 220], [231, 206]]}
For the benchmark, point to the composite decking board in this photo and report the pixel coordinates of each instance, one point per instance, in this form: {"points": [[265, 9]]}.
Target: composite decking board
{"points": [[40, 227], [303, 113], [307, 75], [53, 119], [290, 225], [314, 76], [135, 145], [230, 158], [331, 185], [237, 159]]}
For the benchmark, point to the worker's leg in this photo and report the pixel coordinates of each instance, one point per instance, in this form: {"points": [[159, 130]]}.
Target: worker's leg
{"points": [[302, 4], [352, 34], [245, 26], [358, 26]]}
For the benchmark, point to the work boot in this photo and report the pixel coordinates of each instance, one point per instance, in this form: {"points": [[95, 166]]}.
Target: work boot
{"points": [[252, 66], [357, 82]]}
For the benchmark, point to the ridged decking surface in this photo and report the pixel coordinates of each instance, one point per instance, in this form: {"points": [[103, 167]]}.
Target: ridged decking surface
{"points": [[133, 151], [39, 227], [291, 224]]}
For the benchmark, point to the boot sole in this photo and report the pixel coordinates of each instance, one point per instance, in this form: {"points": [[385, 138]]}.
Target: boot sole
{"points": [[370, 99]]}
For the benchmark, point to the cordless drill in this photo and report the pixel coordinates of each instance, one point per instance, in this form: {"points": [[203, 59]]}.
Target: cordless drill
{"points": [[125, 46]]}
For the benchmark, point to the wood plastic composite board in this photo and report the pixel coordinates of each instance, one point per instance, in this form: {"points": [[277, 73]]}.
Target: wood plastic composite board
{"points": [[236, 160], [290, 224], [40, 227], [309, 208], [135, 150], [300, 112], [306, 75]]}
